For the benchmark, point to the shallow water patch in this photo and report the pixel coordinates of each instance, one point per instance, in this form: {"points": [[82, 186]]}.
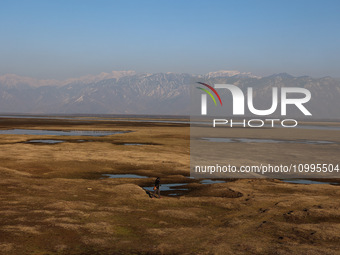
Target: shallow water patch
{"points": [[59, 132], [168, 189], [209, 181], [45, 141], [171, 189], [135, 144], [50, 141], [304, 181], [136, 176], [255, 140]]}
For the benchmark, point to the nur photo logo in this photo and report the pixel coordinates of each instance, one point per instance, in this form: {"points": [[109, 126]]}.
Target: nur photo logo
{"points": [[240, 100], [204, 97]]}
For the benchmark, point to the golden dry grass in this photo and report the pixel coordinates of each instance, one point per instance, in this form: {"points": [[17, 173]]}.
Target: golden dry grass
{"points": [[52, 200]]}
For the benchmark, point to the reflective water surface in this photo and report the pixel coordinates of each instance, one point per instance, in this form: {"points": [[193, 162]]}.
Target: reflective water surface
{"points": [[59, 132]]}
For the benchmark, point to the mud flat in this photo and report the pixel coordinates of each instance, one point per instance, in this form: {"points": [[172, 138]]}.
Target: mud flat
{"points": [[54, 199]]}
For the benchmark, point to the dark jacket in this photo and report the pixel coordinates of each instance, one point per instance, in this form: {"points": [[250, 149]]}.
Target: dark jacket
{"points": [[157, 181]]}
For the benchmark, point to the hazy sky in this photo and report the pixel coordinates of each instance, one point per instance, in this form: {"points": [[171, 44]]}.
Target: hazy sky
{"points": [[61, 39]]}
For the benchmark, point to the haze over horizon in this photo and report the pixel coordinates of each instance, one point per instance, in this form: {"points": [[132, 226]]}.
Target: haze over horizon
{"points": [[122, 73], [67, 39]]}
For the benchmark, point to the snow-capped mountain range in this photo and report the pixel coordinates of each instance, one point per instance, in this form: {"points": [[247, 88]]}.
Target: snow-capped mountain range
{"points": [[127, 92]]}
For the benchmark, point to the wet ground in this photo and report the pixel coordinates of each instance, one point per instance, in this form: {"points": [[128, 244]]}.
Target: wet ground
{"points": [[254, 140]]}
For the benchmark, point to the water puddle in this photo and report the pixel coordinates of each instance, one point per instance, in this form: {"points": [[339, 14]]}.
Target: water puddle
{"points": [[170, 189], [59, 133], [319, 127], [136, 176], [49, 141], [209, 181], [254, 140], [134, 144], [304, 181], [45, 141]]}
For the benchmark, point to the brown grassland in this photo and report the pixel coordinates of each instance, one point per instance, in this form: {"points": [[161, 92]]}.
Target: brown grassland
{"points": [[53, 199]]}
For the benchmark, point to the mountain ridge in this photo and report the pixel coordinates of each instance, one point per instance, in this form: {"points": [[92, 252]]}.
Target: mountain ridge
{"points": [[158, 93]]}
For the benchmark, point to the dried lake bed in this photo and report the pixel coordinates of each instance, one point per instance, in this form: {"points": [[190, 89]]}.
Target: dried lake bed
{"points": [[54, 199]]}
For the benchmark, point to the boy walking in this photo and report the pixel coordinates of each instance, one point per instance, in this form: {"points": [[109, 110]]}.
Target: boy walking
{"points": [[156, 188]]}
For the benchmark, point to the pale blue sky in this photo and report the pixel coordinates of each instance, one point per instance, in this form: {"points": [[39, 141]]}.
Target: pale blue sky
{"points": [[61, 39]]}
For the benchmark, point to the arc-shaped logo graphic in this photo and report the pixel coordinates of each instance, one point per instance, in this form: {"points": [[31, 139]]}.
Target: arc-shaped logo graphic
{"points": [[209, 93]]}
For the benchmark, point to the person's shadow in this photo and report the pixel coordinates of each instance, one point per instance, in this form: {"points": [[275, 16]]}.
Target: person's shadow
{"points": [[149, 193]]}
